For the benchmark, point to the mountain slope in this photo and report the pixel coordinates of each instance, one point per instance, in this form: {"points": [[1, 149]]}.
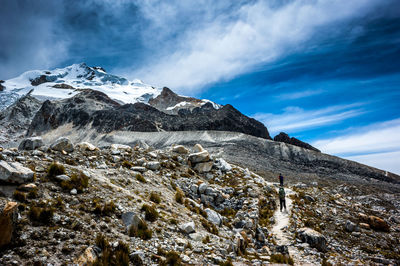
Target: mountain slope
{"points": [[260, 155], [95, 109]]}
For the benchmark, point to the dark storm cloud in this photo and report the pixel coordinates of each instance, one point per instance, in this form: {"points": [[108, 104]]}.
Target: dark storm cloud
{"points": [[28, 37]]}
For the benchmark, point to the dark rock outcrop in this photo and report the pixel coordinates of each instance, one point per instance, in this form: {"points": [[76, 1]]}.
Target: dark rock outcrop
{"points": [[168, 98], [1, 86], [105, 115], [283, 137], [39, 80], [15, 119]]}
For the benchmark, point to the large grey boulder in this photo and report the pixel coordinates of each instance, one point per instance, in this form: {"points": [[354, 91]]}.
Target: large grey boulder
{"points": [[62, 144], [15, 173], [31, 143], [204, 167], [188, 228], [314, 238], [199, 157], [213, 217], [154, 165]]}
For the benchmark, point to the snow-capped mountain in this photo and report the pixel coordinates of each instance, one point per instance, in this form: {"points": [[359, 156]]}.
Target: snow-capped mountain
{"points": [[66, 82]]}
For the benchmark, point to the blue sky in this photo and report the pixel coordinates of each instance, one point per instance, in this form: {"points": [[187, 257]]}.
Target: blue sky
{"points": [[326, 72]]}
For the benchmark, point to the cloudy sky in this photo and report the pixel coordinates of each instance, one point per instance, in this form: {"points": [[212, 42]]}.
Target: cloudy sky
{"points": [[325, 71]]}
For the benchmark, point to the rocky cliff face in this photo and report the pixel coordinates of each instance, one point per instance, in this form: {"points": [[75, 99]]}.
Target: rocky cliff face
{"points": [[283, 137], [95, 109], [15, 119]]}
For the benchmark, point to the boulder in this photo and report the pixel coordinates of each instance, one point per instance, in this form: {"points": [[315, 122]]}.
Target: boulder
{"points": [[61, 178], [223, 165], [7, 222], [365, 226], [199, 157], [120, 147], [31, 143], [88, 257], [207, 200], [131, 218], [202, 188], [194, 188], [309, 198], [260, 236], [27, 187], [15, 173], [180, 149], [350, 226], [188, 228], [374, 222], [378, 224], [154, 165], [204, 167], [314, 238], [213, 217], [140, 169], [62, 144], [86, 146], [198, 148]]}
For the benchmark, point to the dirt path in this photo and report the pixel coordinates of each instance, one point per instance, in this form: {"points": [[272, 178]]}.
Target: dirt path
{"points": [[279, 230]]}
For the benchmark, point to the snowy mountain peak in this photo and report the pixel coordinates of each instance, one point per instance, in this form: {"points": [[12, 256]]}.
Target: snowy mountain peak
{"points": [[66, 82]]}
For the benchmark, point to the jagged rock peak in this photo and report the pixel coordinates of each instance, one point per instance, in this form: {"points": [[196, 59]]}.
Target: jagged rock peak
{"points": [[283, 137], [171, 103]]}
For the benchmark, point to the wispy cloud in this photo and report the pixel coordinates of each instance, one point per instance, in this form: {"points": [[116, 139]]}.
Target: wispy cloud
{"points": [[298, 94], [375, 138], [377, 145], [295, 119], [232, 43]]}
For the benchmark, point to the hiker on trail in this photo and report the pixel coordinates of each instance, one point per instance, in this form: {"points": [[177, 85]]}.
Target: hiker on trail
{"points": [[281, 179], [282, 199]]}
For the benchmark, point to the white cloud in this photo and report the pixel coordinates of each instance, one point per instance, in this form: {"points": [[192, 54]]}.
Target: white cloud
{"points": [[299, 94], [376, 145], [295, 119], [388, 161], [224, 45], [378, 137]]}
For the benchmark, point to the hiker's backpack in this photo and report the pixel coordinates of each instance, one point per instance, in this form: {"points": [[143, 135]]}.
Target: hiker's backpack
{"points": [[281, 193]]}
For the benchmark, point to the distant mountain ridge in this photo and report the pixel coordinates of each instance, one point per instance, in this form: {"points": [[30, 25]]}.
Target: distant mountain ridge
{"points": [[95, 109], [90, 97]]}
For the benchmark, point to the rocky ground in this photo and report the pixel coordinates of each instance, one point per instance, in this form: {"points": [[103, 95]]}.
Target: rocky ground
{"points": [[180, 205]]}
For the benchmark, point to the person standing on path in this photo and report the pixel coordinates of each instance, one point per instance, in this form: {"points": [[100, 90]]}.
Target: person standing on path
{"points": [[281, 180], [282, 199]]}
